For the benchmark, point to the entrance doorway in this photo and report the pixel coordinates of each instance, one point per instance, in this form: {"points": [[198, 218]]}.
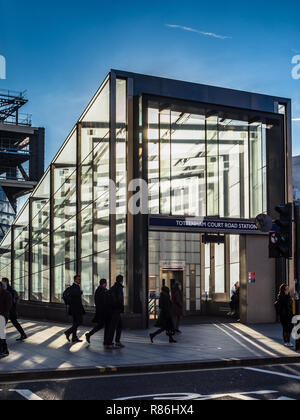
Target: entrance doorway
{"points": [[170, 277]]}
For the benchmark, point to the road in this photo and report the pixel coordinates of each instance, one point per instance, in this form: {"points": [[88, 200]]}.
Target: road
{"points": [[264, 383]]}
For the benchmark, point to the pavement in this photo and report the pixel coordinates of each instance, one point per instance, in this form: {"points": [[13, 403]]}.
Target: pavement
{"points": [[47, 354]]}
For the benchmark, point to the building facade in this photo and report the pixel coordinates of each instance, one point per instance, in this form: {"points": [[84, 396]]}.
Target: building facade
{"points": [[208, 160]]}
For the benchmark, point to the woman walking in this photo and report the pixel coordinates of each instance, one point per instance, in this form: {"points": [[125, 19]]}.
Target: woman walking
{"points": [[177, 301], [284, 307], [165, 321]]}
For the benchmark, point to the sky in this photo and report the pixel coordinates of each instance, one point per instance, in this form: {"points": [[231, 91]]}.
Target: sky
{"points": [[60, 51]]}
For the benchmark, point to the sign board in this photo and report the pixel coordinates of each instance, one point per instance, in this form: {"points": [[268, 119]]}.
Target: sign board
{"points": [[172, 264], [199, 225], [252, 278], [213, 239]]}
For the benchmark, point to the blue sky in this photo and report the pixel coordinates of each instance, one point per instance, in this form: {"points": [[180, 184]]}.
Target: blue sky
{"points": [[60, 51]]}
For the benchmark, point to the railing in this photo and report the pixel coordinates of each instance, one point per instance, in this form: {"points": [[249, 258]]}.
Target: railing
{"points": [[13, 93], [21, 119], [14, 149], [13, 174], [153, 307]]}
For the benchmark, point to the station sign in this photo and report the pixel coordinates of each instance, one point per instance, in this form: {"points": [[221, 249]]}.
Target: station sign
{"points": [[200, 225]]}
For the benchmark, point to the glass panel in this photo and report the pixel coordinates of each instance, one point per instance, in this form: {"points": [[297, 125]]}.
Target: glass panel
{"points": [[234, 260], [165, 161], [40, 278], [233, 143], [153, 160], [188, 164], [95, 124], [220, 268], [64, 257], [68, 154], [256, 169], [207, 270], [101, 206], [121, 179], [43, 188], [212, 166]]}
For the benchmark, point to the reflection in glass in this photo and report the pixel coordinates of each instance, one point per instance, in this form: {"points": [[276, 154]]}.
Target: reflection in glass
{"points": [[121, 179]]}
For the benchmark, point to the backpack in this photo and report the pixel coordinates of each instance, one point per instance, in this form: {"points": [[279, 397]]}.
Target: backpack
{"points": [[67, 296]]}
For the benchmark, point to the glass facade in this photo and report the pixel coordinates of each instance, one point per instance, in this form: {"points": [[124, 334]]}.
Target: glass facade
{"points": [[199, 160], [205, 165], [64, 228]]}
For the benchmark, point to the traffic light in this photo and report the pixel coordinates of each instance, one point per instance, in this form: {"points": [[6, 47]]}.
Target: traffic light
{"points": [[281, 241]]}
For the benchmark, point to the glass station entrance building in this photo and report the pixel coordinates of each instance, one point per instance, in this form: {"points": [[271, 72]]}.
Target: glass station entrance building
{"points": [[212, 160]]}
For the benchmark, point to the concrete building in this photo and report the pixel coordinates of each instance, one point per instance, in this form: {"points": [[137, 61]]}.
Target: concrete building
{"points": [[212, 160]]}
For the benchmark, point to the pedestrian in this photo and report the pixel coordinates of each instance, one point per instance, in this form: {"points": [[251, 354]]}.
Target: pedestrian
{"points": [[177, 302], [73, 298], [165, 320], [235, 301], [103, 313], [284, 306], [13, 315], [116, 295], [5, 308]]}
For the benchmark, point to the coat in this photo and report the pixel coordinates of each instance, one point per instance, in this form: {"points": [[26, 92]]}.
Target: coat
{"points": [[285, 309], [76, 308], [165, 319], [14, 295], [177, 300], [117, 298], [103, 309], [5, 303]]}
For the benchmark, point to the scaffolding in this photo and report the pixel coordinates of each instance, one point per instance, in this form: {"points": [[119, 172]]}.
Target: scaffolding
{"points": [[10, 104], [21, 155]]}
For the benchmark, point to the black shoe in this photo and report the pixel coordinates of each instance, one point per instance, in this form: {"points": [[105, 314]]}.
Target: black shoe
{"points": [[5, 351], [152, 338], [88, 338], [76, 340], [171, 340], [68, 337], [22, 338]]}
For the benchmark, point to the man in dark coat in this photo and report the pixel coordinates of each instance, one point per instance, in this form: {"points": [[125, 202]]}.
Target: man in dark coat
{"points": [[76, 309], [5, 308], [13, 315], [116, 294], [165, 320], [177, 301], [103, 313]]}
